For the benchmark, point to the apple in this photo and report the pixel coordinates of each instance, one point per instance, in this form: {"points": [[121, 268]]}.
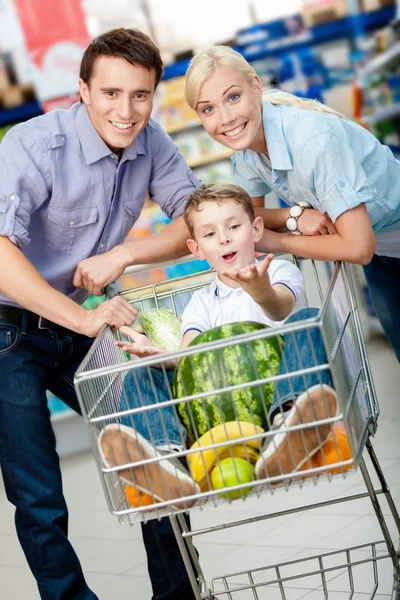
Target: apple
{"points": [[230, 472]]}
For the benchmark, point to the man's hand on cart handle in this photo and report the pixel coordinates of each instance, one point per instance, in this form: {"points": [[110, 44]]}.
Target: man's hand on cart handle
{"points": [[94, 273], [116, 313]]}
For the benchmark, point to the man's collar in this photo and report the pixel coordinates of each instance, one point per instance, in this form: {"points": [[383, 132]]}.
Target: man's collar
{"points": [[93, 147]]}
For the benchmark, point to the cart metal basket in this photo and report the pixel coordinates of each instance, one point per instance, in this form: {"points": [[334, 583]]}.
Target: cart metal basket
{"points": [[114, 395]]}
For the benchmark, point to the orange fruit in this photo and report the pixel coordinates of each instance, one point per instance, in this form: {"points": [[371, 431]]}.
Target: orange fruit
{"points": [[137, 498], [336, 449], [311, 463]]}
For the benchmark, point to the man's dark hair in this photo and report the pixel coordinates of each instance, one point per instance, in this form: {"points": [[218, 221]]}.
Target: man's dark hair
{"points": [[131, 44], [216, 192]]}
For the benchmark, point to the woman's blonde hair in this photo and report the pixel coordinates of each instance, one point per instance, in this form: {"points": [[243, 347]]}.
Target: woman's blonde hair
{"points": [[205, 62]]}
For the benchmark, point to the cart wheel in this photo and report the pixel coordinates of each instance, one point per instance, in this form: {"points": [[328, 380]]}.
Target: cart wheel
{"points": [[396, 590]]}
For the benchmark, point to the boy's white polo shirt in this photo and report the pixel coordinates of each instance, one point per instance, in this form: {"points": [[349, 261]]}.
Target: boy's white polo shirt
{"points": [[219, 304]]}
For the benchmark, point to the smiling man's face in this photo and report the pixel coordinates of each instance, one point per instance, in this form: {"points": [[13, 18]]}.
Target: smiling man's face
{"points": [[119, 100]]}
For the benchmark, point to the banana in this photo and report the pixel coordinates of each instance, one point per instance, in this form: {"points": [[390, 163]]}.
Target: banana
{"points": [[241, 451], [202, 462]]}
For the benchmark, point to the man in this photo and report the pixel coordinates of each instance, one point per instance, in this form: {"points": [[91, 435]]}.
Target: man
{"points": [[72, 184]]}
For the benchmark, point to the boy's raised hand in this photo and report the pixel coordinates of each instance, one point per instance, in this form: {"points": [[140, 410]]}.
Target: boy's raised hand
{"points": [[253, 278], [142, 346]]}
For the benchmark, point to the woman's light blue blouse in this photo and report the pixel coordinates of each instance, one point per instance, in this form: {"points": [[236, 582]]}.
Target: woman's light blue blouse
{"points": [[332, 163]]}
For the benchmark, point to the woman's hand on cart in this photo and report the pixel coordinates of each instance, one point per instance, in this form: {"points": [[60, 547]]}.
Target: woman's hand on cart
{"points": [[115, 313], [313, 222]]}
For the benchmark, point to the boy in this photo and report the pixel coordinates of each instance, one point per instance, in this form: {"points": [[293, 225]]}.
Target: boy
{"points": [[224, 231]]}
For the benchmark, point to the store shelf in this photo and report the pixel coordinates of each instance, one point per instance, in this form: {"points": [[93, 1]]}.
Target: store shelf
{"points": [[390, 112], [20, 113], [179, 127], [351, 26], [382, 62], [205, 160]]}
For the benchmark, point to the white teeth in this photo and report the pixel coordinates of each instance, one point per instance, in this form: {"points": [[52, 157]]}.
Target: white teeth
{"points": [[233, 132], [122, 125]]}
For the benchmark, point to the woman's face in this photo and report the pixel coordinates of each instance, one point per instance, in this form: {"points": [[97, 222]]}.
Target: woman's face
{"points": [[230, 110]]}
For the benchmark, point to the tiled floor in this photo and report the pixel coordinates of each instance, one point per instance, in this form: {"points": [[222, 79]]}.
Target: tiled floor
{"points": [[113, 557]]}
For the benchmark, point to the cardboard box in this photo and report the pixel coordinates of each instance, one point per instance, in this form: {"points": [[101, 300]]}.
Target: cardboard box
{"points": [[15, 95], [371, 5], [316, 12], [4, 79]]}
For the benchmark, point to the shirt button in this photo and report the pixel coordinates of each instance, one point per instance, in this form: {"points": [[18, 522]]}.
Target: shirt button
{"points": [[13, 197], [101, 245], [72, 222]]}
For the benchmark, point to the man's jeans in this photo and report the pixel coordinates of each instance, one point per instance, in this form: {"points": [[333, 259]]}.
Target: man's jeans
{"points": [[31, 362], [383, 278], [303, 349]]}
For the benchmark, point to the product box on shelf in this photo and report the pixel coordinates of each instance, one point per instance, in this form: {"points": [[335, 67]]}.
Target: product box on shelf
{"points": [[172, 111], [371, 5], [4, 78], [316, 12]]}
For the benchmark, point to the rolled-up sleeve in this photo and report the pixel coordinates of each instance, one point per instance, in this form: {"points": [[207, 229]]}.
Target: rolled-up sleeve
{"points": [[335, 175], [23, 185], [171, 180], [247, 179]]}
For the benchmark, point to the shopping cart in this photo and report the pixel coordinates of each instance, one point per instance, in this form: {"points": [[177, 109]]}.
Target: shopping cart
{"points": [[107, 400]]}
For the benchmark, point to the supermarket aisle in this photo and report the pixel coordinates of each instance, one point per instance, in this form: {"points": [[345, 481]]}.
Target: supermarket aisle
{"points": [[113, 557]]}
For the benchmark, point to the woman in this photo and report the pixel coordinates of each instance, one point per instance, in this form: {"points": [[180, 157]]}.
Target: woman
{"points": [[310, 156]]}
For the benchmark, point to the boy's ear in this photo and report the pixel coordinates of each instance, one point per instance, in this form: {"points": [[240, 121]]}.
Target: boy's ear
{"points": [[258, 229], [194, 248]]}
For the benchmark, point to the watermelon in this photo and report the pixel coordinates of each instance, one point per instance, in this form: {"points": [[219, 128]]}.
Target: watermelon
{"points": [[212, 370]]}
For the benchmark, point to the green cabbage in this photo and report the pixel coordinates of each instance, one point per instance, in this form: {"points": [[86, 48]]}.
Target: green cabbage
{"points": [[162, 327]]}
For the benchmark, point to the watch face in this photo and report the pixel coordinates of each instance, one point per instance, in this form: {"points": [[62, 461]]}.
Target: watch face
{"points": [[291, 224]]}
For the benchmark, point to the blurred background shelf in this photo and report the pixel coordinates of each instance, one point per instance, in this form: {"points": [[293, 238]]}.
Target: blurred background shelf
{"points": [[385, 61], [23, 112], [384, 114], [206, 160]]}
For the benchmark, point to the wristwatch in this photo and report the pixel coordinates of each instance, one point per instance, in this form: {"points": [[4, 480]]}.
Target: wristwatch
{"points": [[294, 213]]}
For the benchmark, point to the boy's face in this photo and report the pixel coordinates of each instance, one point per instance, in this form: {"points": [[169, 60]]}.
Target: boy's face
{"points": [[224, 236], [119, 100]]}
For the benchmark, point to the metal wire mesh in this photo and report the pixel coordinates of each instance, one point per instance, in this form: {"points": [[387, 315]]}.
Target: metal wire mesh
{"points": [[139, 395], [365, 569]]}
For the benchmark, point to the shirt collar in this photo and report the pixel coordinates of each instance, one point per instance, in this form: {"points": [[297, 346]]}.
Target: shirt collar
{"points": [[273, 131], [219, 288], [93, 147]]}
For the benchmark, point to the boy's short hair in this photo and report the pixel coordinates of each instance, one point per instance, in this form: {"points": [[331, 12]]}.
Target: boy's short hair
{"points": [[131, 44], [216, 192]]}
